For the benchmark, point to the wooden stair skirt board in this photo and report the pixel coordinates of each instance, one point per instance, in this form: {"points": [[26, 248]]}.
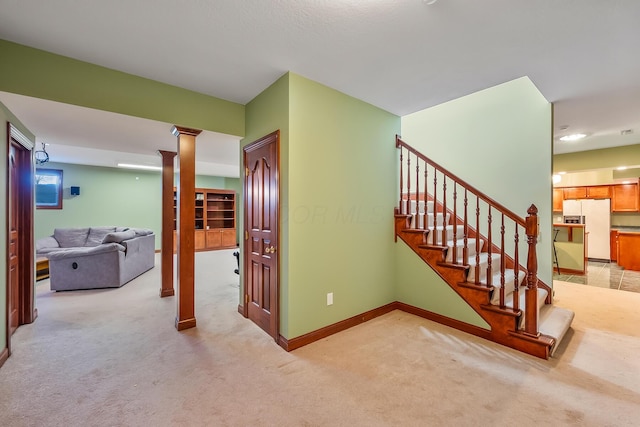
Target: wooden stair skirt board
{"points": [[507, 324], [539, 347]]}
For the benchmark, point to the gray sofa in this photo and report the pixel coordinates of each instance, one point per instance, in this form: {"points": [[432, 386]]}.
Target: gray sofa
{"points": [[96, 257]]}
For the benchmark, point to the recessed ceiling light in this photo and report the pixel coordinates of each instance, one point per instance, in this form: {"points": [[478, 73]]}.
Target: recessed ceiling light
{"points": [[621, 168], [573, 137], [561, 173]]}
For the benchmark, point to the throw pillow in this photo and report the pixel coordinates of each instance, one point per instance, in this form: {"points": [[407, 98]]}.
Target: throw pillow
{"points": [[119, 236], [142, 231]]}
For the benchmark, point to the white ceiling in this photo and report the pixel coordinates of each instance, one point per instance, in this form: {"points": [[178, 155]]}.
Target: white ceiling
{"points": [[92, 137], [400, 55]]}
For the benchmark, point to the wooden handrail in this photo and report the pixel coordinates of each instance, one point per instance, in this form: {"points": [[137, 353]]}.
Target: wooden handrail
{"points": [[513, 216]]}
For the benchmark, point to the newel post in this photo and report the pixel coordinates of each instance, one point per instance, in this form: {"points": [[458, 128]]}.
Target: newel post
{"points": [[531, 294]]}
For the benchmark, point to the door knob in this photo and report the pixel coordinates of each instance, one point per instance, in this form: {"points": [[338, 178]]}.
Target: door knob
{"points": [[270, 250]]}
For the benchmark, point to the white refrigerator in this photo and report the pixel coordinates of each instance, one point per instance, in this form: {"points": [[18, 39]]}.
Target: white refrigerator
{"points": [[597, 222]]}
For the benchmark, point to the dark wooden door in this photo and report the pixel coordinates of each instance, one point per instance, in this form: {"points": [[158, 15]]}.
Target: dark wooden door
{"points": [[261, 238], [14, 225]]}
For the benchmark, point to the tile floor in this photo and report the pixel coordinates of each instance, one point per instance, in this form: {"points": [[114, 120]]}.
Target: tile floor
{"points": [[605, 275]]}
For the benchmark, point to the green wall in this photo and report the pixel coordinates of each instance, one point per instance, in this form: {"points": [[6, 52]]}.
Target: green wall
{"points": [[266, 113], [6, 116], [336, 197], [500, 141], [627, 155], [341, 199], [46, 75], [112, 196]]}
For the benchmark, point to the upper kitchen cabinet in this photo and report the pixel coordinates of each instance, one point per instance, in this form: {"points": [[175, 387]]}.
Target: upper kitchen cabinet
{"points": [[558, 197], [624, 198], [599, 192], [574, 193], [594, 192]]}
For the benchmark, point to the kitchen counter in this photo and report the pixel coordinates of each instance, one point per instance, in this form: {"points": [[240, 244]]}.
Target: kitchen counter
{"points": [[628, 228], [570, 243]]}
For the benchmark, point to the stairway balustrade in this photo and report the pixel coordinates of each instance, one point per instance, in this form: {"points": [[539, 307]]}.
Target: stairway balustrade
{"points": [[429, 194]]}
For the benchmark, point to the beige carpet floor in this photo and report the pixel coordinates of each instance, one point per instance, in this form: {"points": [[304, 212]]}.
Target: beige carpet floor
{"points": [[114, 358]]}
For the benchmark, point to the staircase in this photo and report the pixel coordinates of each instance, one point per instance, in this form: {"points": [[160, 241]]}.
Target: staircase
{"points": [[476, 245]]}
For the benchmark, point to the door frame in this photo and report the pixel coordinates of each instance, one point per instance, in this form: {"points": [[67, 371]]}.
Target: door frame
{"points": [[273, 137], [27, 312]]}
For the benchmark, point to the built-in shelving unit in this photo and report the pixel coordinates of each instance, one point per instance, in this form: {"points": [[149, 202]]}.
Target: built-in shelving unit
{"points": [[215, 219]]}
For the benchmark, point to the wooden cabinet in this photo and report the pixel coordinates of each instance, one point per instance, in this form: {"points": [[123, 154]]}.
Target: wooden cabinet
{"points": [[624, 198], [574, 193], [558, 198], [221, 238], [215, 219], [199, 240], [629, 250], [594, 192], [613, 245], [599, 192]]}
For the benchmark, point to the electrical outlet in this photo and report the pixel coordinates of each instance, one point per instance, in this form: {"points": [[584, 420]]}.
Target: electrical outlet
{"points": [[330, 298]]}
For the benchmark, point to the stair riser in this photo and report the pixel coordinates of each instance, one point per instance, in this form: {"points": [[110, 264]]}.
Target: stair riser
{"points": [[509, 286], [437, 234], [483, 267], [542, 295], [417, 207], [471, 249], [417, 220]]}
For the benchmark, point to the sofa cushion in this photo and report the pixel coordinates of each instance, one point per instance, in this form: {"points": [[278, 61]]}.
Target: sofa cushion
{"points": [[46, 243], [44, 252], [97, 235], [119, 236], [71, 237], [86, 251]]}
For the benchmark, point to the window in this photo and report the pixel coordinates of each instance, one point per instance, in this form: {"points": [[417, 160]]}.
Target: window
{"points": [[48, 189]]}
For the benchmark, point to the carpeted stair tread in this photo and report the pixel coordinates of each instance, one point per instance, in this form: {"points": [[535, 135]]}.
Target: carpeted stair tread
{"points": [[482, 265], [542, 296], [459, 244], [509, 286], [555, 321], [437, 233]]}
